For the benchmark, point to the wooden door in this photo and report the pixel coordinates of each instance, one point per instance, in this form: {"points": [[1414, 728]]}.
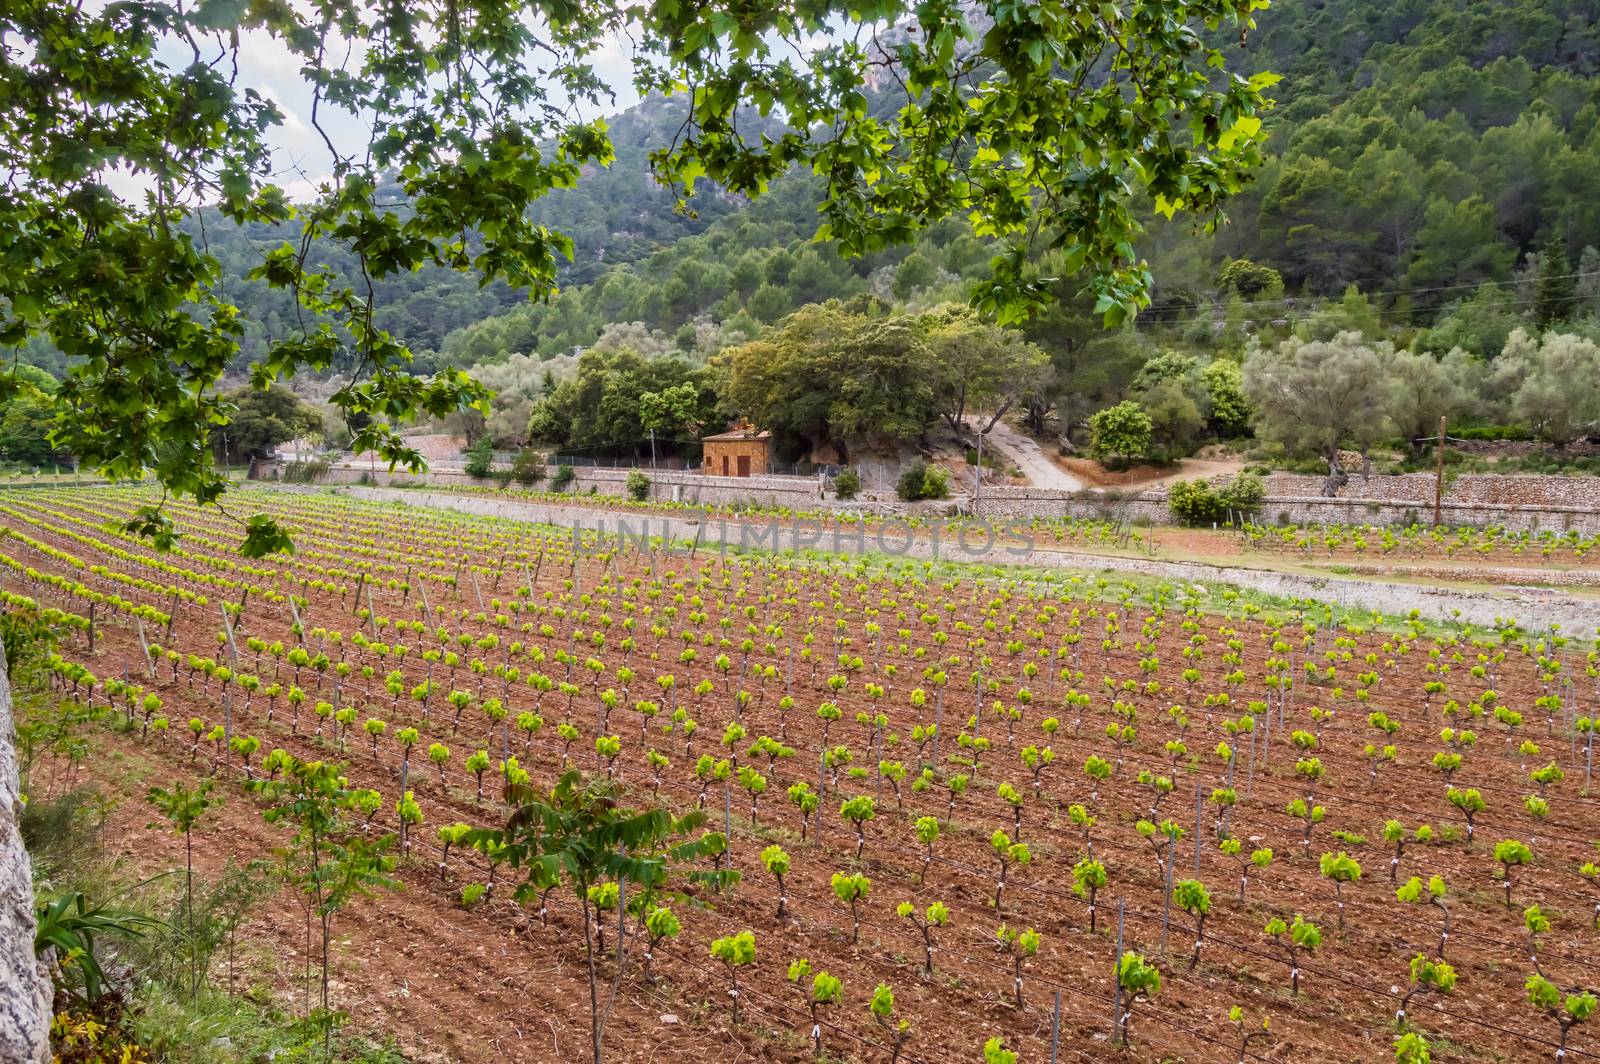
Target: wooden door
{"points": [[744, 465]]}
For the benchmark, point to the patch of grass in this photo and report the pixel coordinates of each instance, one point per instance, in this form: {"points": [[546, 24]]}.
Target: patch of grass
{"points": [[216, 1028]]}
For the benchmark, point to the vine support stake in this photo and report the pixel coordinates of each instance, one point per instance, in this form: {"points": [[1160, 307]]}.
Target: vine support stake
{"points": [[1116, 973], [227, 627], [422, 594], [1055, 1029], [91, 626], [1166, 902], [822, 796], [1199, 811], [144, 645], [361, 582], [477, 587]]}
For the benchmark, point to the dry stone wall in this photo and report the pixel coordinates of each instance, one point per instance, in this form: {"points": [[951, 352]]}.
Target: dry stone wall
{"points": [[24, 986], [1513, 502]]}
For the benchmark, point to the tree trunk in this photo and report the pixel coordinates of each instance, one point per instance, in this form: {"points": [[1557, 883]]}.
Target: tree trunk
{"points": [[1337, 477]]}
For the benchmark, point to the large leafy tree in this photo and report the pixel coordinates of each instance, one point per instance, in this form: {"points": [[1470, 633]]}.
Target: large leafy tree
{"points": [[1315, 397], [1045, 123], [834, 375], [979, 366], [606, 406], [262, 419]]}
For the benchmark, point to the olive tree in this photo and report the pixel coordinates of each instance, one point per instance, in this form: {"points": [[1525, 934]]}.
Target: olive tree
{"points": [[1422, 389], [1316, 396], [1552, 379]]}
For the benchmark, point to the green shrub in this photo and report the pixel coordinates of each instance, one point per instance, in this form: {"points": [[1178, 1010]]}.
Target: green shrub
{"points": [[1194, 502], [1494, 432], [920, 480], [480, 458], [1243, 494], [528, 467], [563, 477], [307, 472], [847, 484], [638, 485], [990, 460]]}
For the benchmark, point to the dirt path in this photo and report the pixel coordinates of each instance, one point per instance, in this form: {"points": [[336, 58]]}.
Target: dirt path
{"points": [[1034, 463]]}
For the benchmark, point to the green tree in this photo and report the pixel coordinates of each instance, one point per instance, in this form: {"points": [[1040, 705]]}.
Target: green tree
{"points": [[979, 366], [1316, 396], [1176, 420], [1543, 375], [263, 418], [578, 833], [1555, 292], [182, 807], [834, 376], [328, 861], [1122, 431], [1421, 389], [1230, 411], [1248, 279], [480, 458], [25, 418], [1459, 243], [603, 405]]}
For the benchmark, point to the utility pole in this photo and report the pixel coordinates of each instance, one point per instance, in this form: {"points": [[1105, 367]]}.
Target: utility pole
{"points": [[1438, 480], [977, 490], [652, 449]]}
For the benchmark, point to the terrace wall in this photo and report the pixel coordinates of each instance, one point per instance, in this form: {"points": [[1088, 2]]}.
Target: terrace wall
{"points": [[674, 485], [1513, 502], [24, 986], [1151, 507]]}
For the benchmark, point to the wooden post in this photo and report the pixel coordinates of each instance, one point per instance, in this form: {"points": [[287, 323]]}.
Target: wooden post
{"points": [[476, 587], [1438, 480], [1166, 902], [372, 612], [227, 626], [361, 582], [91, 626], [1116, 974], [144, 645], [1055, 1029]]}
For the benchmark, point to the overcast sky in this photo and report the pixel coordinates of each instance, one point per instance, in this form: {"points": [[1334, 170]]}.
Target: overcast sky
{"points": [[299, 155]]}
